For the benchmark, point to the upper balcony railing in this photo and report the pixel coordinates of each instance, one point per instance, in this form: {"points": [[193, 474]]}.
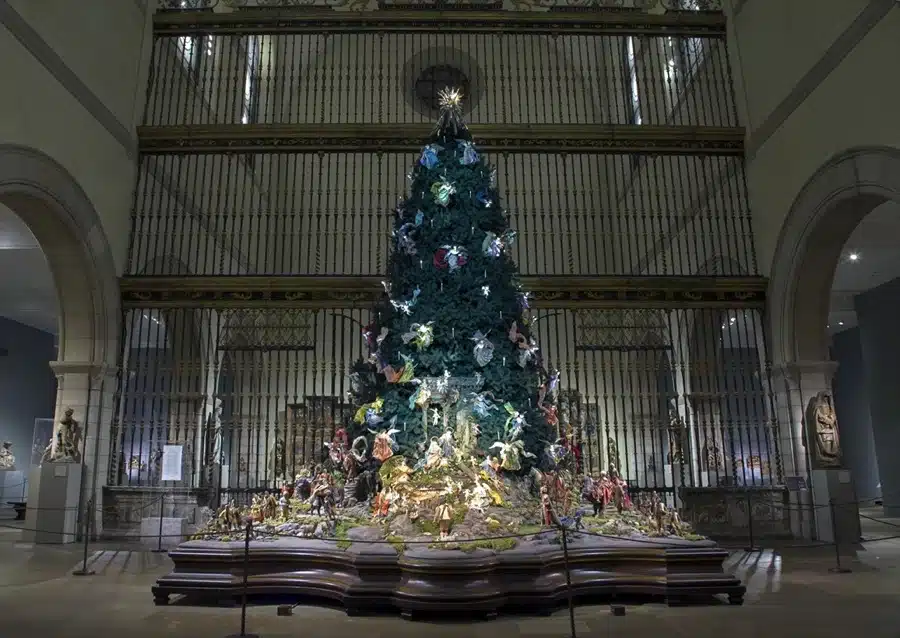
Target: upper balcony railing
{"points": [[652, 6]]}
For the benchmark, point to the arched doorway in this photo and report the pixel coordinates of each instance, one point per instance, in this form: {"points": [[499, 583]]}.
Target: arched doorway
{"points": [[62, 219], [821, 221]]}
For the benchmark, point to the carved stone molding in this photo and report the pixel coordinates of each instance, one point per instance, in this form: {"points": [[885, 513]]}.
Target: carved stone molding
{"points": [[319, 20], [338, 291], [502, 138], [793, 372], [95, 370]]}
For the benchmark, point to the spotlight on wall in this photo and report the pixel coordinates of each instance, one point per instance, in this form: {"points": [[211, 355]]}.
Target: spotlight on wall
{"points": [[853, 256], [840, 323]]}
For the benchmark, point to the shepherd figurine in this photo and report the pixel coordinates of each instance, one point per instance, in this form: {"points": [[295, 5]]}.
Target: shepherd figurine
{"points": [[443, 516]]}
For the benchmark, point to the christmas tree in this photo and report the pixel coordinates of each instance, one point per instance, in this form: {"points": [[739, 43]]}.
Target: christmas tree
{"points": [[451, 354]]}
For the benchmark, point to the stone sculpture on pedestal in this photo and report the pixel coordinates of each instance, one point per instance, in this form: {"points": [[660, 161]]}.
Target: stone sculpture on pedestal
{"points": [[822, 431], [65, 446], [676, 433], [7, 460]]}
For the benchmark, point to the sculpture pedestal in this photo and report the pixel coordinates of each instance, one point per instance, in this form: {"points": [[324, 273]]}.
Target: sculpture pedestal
{"points": [[836, 485], [53, 494]]}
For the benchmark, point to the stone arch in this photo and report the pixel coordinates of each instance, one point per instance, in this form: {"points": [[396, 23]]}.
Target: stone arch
{"points": [[824, 214], [830, 205], [63, 220], [67, 228]]}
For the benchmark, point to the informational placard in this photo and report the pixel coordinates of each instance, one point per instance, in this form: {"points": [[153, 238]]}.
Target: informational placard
{"points": [[171, 463], [795, 483]]}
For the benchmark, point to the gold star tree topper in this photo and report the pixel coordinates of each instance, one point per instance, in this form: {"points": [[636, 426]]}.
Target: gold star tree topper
{"points": [[450, 99]]}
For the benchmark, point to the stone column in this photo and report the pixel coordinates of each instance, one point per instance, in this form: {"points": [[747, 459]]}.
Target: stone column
{"points": [[880, 343], [795, 385], [89, 389]]}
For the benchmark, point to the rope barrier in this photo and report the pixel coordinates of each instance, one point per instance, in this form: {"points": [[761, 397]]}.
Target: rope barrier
{"points": [[272, 534]]}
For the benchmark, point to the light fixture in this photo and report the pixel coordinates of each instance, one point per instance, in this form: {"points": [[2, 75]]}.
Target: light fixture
{"points": [[853, 256], [840, 323]]}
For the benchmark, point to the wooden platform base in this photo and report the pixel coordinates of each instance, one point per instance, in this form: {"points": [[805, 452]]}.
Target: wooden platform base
{"points": [[369, 578]]}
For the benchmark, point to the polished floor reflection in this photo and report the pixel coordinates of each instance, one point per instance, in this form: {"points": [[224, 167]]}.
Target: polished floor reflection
{"points": [[791, 593]]}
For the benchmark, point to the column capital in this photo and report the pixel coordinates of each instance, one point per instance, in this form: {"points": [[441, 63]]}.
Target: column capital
{"points": [[796, 370], [96, 371]]}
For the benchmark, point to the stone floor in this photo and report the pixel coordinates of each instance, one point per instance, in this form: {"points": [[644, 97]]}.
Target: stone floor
{"points": [[791, 594]]}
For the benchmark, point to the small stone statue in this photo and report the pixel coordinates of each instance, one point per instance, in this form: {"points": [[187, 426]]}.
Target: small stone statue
{"points": [[821, 421], [7, 460], [65, 447], [214, 425], [712, 457], [676, 437], [612, 451]]}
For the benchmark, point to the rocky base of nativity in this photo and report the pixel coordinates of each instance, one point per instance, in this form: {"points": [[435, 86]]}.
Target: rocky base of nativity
{"points": [[448, 534]]}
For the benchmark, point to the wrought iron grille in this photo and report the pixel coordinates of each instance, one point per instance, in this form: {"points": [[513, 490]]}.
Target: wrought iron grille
{"points": [[209, 78], [331, 213], [671, 397]]}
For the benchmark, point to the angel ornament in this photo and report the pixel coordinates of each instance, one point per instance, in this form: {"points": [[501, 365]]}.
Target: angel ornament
{"points": [[406, 306], [455, 257], [483, 350], [511, 454], [403, 374], [384, 445], [435, 418], [421, 334], [405, 243], [515, 423], [527, 347], [492, 246]]}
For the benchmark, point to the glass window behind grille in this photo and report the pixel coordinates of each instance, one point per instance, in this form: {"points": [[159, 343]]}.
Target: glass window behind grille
{"points": [[251, 81]]}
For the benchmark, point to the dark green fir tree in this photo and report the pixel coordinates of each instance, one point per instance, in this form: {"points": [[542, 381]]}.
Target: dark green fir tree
{"points": [[451, 354]]}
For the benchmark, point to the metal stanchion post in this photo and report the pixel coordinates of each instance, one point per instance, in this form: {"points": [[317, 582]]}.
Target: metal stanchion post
{"points": [[565, 548], [837, 569], [84, 571], [246, 577], [159, 548], [751, 546]]}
